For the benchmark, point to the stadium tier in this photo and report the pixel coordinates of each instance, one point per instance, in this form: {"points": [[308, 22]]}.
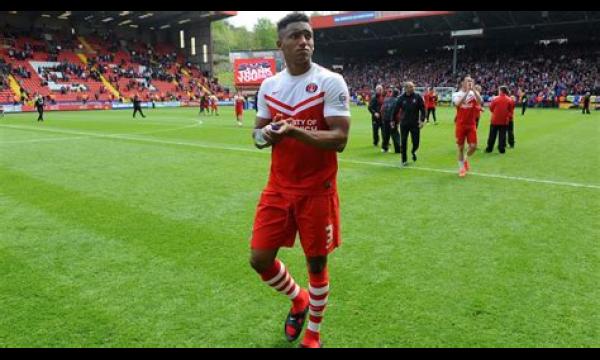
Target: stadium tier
{"points": [[69, 68], [546, 54], [549, 73]]}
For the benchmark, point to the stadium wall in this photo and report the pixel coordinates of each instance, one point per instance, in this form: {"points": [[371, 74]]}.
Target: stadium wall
{"points": [[571, 102], [103, 105]]}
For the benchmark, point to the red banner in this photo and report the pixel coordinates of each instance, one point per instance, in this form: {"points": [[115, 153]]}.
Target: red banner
{"points": [[252, 72]]}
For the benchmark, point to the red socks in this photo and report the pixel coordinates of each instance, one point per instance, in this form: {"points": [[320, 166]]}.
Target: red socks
{"points": [[318, 292], [280, 279]]}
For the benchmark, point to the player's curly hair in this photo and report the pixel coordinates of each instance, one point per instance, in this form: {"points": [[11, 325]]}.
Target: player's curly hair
{"points": [[292, 18]]}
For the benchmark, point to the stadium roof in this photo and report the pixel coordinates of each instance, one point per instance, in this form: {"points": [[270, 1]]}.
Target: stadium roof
{"points": [[369, 30], [140, 19]]}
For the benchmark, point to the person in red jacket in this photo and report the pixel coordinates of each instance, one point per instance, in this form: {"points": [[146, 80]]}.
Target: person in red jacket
{"points": [[431, 99], [502, 108]]}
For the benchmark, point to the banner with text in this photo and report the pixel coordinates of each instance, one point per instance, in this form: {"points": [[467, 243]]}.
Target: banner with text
{"points": [[252, 72]]}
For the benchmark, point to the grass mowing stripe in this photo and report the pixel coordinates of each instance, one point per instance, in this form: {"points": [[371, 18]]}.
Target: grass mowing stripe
{"points": [[223, 147], [174, 243], [40, 311], [98, 214]]}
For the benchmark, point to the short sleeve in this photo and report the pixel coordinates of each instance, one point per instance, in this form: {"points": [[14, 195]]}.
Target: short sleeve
{"points": [[337, 97], [456, 98], [261, 103]]}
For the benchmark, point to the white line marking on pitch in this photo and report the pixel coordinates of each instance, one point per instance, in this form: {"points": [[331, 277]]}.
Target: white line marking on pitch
{"points": [[506, 177], [221, 147], [44, 140], [87, 135]]}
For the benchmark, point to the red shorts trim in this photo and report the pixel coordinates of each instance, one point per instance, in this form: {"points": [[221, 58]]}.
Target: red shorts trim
{"points": [[279, 217], [468, 133]]}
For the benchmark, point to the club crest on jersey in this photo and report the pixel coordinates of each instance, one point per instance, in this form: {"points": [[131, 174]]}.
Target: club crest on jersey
{"points": [[311, 88]]}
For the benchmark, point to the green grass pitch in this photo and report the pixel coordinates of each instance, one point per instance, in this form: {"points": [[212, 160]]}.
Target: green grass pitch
{"points": [[118, 232]]}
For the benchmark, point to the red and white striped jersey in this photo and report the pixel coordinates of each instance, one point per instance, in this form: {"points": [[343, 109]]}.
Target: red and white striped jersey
{"points": [[306, 99], [468, 111]]}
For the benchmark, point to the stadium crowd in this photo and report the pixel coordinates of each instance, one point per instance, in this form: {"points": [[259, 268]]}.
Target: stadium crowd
{"points": [[139, 63], [547, 71]]}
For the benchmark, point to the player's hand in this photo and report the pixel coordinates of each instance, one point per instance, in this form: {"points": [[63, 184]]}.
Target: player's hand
{"points": [[267, 131], [377, 115], [278, 129], [266, 135], [281, 128], [421, 124]]}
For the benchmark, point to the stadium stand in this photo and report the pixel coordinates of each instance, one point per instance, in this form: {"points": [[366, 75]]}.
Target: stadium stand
{"points": [[550, 55], [71, 68], [547, 71]]}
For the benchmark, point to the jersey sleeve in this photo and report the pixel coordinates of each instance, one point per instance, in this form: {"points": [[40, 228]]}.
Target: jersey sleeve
{"points": [[456, 98], [337, 97], [261, 104]]}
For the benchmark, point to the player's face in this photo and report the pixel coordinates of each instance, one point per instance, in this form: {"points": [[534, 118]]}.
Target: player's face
{"points": [[297, 43], [409, 88], [467, 83]]}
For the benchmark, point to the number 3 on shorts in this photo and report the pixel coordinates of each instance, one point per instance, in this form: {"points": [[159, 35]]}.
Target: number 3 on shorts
{"points": [[329, 231]]}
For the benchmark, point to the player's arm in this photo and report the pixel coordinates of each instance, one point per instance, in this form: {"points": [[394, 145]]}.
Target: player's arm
{"points": [[458, 100], [262, 139], [478, 97], [259, 136], [422, 111]]}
